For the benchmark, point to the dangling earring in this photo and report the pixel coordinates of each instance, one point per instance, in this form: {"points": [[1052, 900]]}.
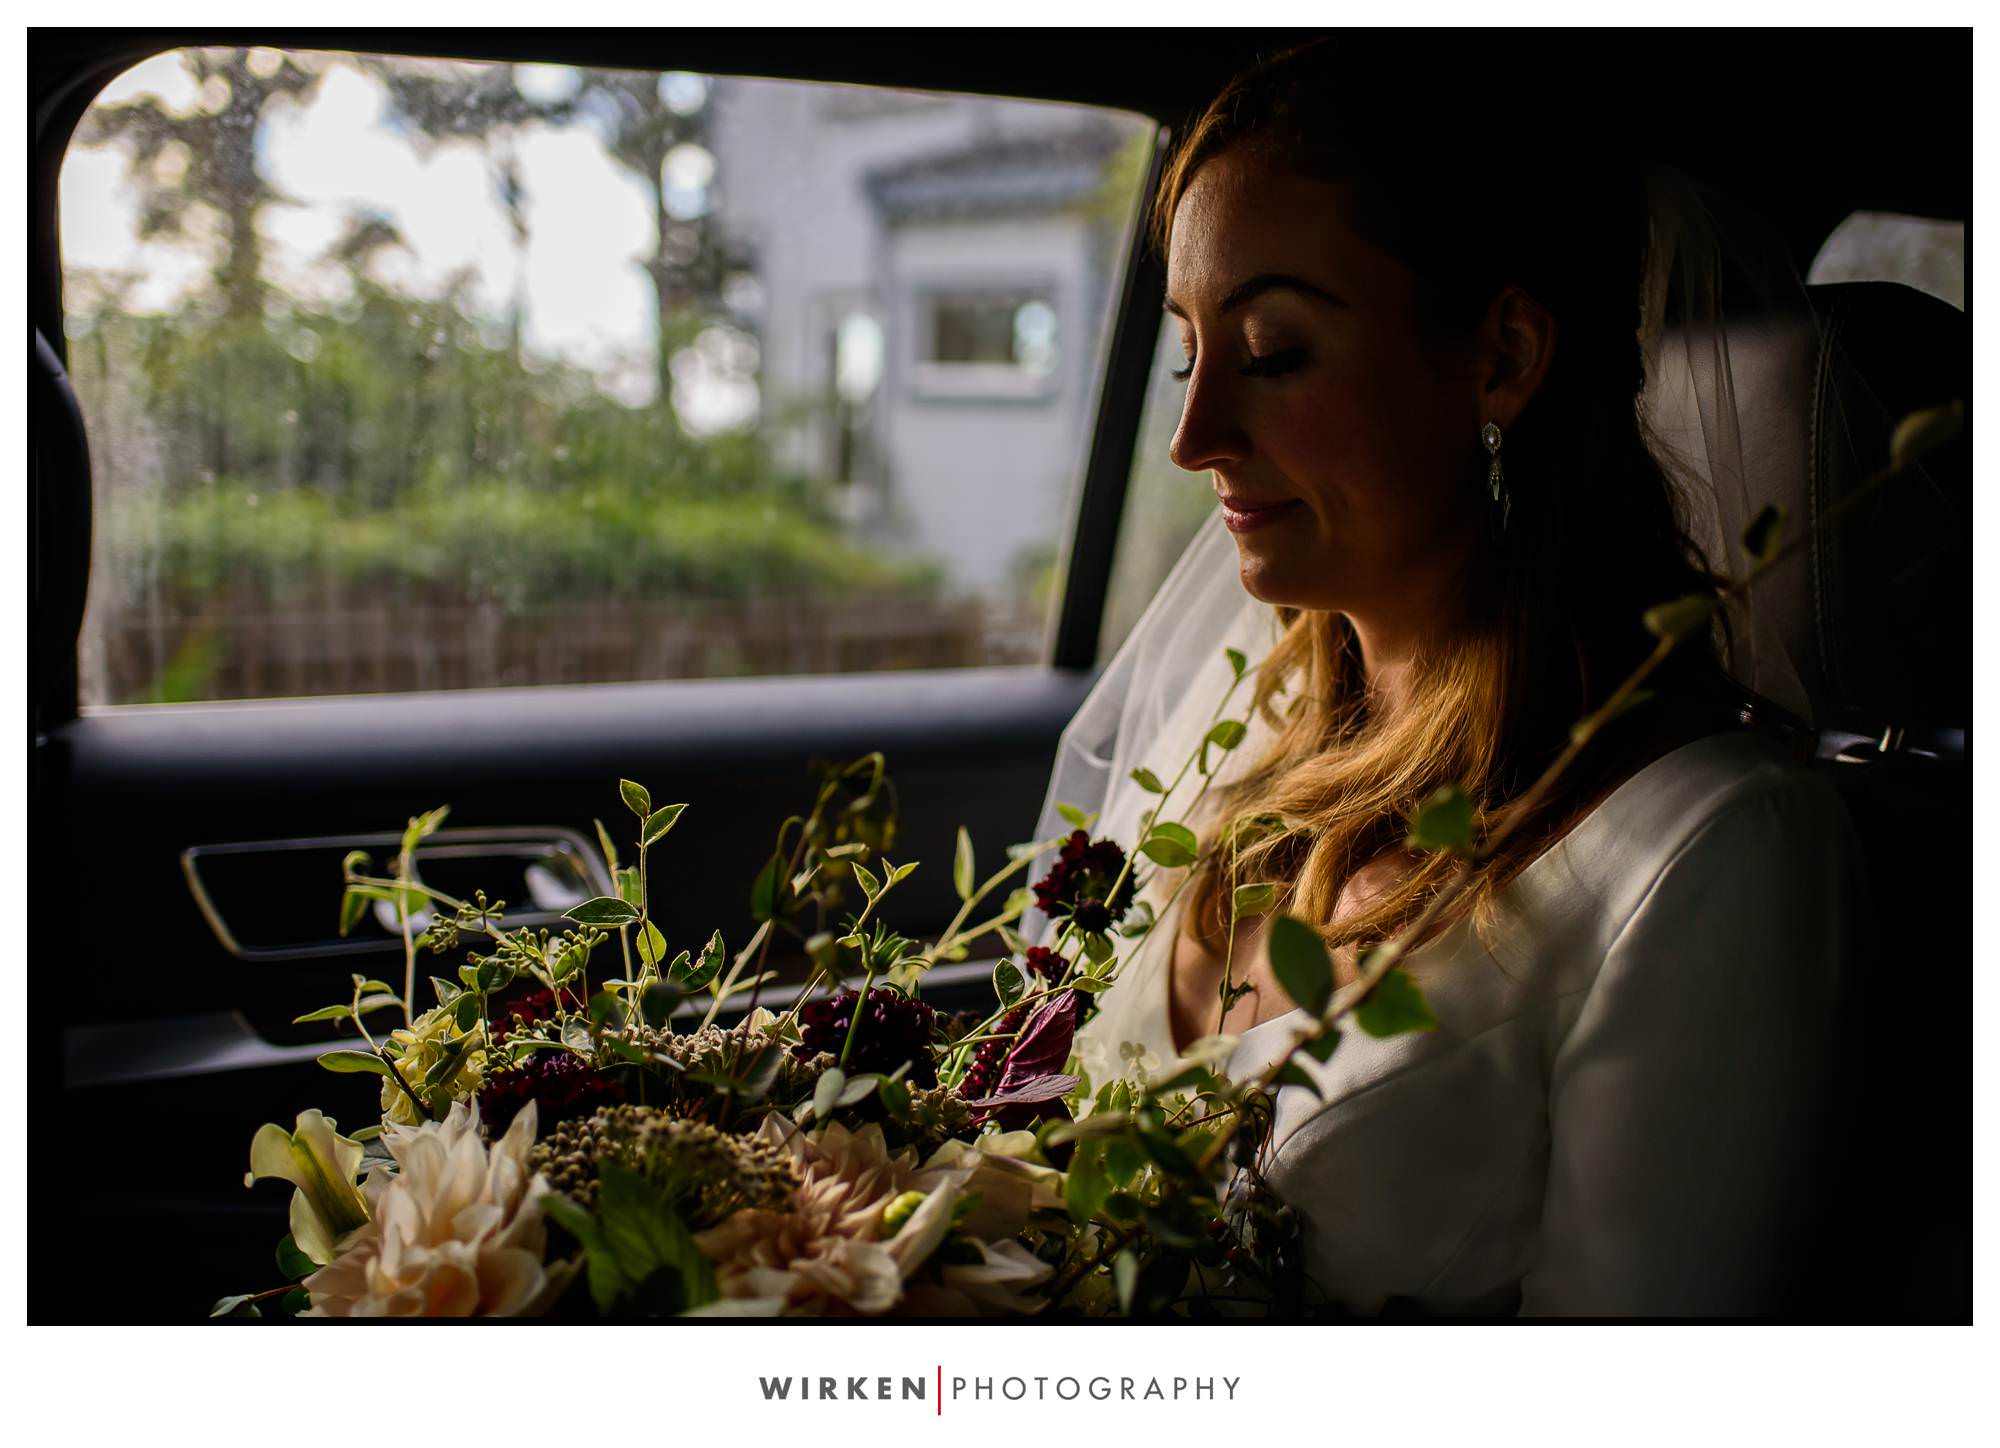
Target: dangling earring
{"points": [[1496, 481]]}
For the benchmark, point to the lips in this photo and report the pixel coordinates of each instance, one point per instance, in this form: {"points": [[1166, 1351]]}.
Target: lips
{"points": [[1240, 515]]}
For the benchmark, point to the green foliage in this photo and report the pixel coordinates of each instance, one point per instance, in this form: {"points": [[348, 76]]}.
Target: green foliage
{"points": [[641, 1258], [1394, 1007], [1444, 822], [1299, 960]]}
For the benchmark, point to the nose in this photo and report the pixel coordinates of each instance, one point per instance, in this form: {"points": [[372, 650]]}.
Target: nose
{"points": [[1211, 432]]}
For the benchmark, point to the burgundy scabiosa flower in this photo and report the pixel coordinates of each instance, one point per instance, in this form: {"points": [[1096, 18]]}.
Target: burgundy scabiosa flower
{"points": [[1044, 963], [894, 1028], [1080, 884], [561, 1085]]}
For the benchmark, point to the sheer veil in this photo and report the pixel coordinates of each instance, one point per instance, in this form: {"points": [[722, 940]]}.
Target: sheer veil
{"points": [[1718, 284]]}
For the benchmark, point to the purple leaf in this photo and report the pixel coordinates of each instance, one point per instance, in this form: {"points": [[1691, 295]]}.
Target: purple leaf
{"points": [[1042, 1088], [1044, 1042]]}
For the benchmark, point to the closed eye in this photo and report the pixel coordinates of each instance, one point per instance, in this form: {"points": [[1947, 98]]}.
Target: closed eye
{"points": [[1274, 364]]}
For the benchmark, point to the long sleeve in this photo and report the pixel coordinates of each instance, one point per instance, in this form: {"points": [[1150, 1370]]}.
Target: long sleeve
{"points": [[1684, 1101]]}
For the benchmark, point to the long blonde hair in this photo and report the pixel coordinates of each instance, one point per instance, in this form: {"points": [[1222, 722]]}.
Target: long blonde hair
{"points": [[1596, 533]]}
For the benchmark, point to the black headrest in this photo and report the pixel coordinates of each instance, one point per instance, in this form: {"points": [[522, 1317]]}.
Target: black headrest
{"points": [[1888, 635]]}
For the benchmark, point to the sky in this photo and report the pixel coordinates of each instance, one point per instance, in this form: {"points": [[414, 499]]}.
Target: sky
{"points": [[586, 299]]}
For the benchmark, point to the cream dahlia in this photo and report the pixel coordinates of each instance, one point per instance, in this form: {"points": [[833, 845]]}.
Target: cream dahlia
{"points": [[832, 1251], [455, 1231]]}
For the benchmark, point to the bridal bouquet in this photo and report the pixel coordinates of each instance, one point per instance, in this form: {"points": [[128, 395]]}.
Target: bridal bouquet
{"points": [[565, 1126], [559, 1133]]}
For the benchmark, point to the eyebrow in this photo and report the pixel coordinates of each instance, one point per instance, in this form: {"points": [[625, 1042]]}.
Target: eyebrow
{"points": [[1256, 286]]}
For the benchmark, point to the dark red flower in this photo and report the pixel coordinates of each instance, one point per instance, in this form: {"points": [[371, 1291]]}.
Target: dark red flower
{"points": [[894, 1028], [1044, 963], [561, 1085], [1079, 887], [522, 1011]]}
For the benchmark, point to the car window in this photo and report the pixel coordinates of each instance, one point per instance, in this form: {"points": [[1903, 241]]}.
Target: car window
{"points": [[1163, 505], [1884, 246], [406, 374]]}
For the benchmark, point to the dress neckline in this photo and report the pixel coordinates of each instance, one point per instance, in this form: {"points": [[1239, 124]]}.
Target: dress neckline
{"points": [[1159, 997]]}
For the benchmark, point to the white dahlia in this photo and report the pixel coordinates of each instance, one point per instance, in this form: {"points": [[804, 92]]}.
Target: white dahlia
{"points": [[455, 1231]]}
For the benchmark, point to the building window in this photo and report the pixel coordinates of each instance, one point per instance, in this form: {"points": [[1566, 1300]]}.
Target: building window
{"points": [[1002, 344]]}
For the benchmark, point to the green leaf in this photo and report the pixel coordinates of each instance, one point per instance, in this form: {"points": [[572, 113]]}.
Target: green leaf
{"points": [[353, 905], [1168, 1153], [446, 1066], [227, 1306], [294, 1302], [764, 893], [1008, 982], [1227, 734], [325, 1013], [293, 1263], [1762, 537], [705, 969], [895, 1097], [424, 825], [1125, 1273], [370, 1004], [1924, 432], [632, 887], [1076, 817], [961, 866], [1299, 960], [650, 1242], [1254, 899], [1236, 661], [652, 945], [636, 796], [1138, 920], [446, 991], [857, 1089], [1170, 845], [605, 911], [493, 975], [659, 1001], [1097, 948], [1148, 781], [1680, 617], [658, 823], [465, 1014], [1086, 1184], [1395, 1006], [1321, 1046], [826, 1091], [1443, 822], [371, 987], [348, 1062], [610, 850], [1293, 1074], [865, 878], [1123, 1159], [903, 872]]}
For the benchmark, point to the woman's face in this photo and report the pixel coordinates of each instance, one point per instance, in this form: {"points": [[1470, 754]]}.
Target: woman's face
{"points": [[1345, 428]]}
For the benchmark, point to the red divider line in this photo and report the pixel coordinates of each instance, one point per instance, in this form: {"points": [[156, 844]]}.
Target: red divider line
{"points": [[940, 1411]]}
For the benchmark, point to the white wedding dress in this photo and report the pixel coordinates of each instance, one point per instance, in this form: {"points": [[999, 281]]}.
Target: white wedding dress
{"points": [[1613, 1117]]}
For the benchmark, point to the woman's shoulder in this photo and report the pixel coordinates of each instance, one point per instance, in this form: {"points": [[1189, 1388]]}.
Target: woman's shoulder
{"points": [[1738, 807]]}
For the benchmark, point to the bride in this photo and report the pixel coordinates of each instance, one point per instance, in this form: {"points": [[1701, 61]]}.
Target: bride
{"points": [[1412, 372]]}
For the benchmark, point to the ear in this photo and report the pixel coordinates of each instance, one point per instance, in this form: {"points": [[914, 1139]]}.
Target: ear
{"points": [[1518, 342]]}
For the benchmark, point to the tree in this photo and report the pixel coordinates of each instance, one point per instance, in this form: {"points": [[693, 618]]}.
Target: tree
{"points": [[641, 131], [186, 162], [482, 105]]}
